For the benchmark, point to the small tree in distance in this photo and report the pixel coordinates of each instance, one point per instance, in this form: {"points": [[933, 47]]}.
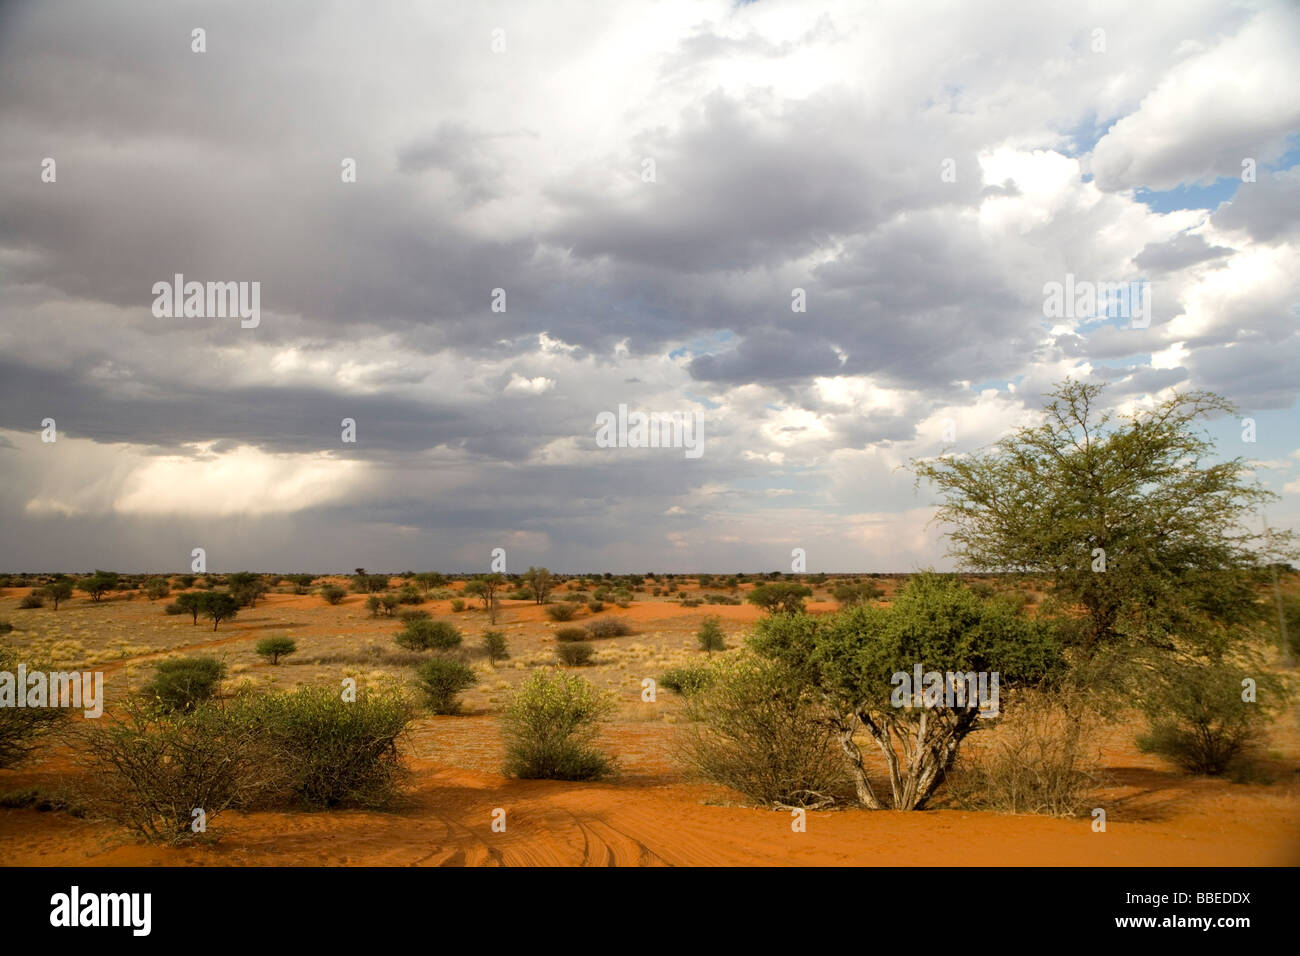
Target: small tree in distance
{"points": [[275, 648]]}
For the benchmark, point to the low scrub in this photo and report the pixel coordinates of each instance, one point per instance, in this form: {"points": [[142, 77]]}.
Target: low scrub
{"points": [[561, 612], [609, 627], [757, 733], [23, 728], [182, 683], [550, 725], [441, 681], [421, 634], [578, 654], [567, 635], [686, 680]]}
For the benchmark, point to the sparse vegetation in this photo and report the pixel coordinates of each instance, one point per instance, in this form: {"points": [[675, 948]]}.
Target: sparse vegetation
{"points": [[274, 648], [550, 725], [441, 680]]}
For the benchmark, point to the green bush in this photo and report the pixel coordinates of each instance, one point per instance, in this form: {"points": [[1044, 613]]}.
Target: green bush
{"points": [[21, 728], [458, 604], [756, 731], [329, 752], [182, 683], [710, 636], [149, 770], [157, 588], [420, 634], [30, 601], [561, 612], [494, 645], [414, 616], [173, 609], [1197, 717], [441, 680], [686, 680], [549, 727], [333, 594], [595, 607], [276, 648], [567, 635], [609, 627], [578, 654]]}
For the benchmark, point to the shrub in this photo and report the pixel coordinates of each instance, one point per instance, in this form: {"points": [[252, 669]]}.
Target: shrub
{"points": [[760, 734], [421, 634], [494, 645], [173, 609], [1197, 717], [186, 581], [578, 654], [414, 616], [686, 680], [458, 604], [332, 593], [150, 769], [561, 612], [721, 599], [373, 605], [409, 595], [1035, 762], [595, 607], [609, 627], [276, 648], [549, 725], [576, 597], [441, 680], [157, 588], [624, 602], [389, 603], [32, 600], [329, 752], [571, 634], [857, 593], [710, 636], [182, 683], [5, 626], [21, 728], [780, 597]]}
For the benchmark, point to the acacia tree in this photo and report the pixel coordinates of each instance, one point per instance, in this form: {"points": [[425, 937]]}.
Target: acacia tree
{"points": [[485, 587], [1130, 517], [192, 602], [850, 660], [220, 606], [540, 582], [58, 591], [784, 597], [98, 584]]}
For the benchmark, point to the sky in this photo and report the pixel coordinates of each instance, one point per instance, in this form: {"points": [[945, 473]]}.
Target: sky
{"points": [[822, 231]]}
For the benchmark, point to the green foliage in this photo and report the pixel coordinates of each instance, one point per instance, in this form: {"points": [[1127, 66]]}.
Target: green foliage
{"points": [[688, 679], [58, 592], [276, 648], [494, 645], [759, 732], [608, 627], [156, 588], [561, 612], [329, 752], [595, 607], [182, 683], [1198, 719], [571, 634], [849, 660], [784, 597], [31, 601], [457, 605], [1144, 491], [859, 593], [576, 654], [549, 727], [539, 582], [192, 603], [221, 606], [22, 728], [332, 593], [98, 584], [149, 769], [710, 636], [441, 680], [420, 634]]}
